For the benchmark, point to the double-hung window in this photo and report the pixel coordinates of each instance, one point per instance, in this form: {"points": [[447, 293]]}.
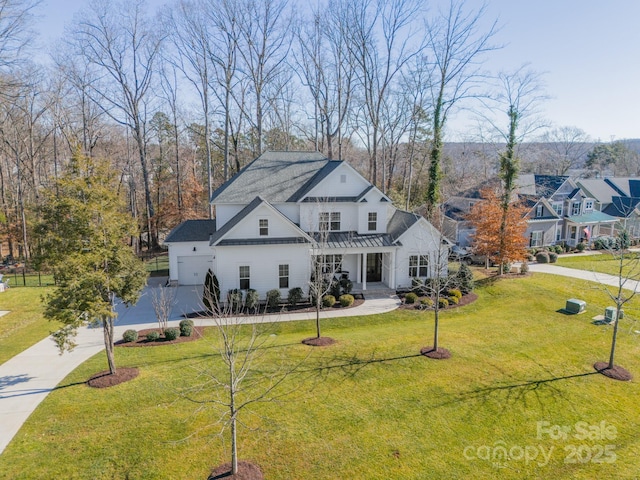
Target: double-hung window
{"points": [[418, 265], [264, 227], [372, 221], [244, 277], [283, 276], [329, 221]]}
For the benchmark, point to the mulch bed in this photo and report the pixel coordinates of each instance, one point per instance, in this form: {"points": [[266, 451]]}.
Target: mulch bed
{"points": [[465, 300], [319, 341], [439, 354], [105, 379], [246, 471], [616, 373], [142, 341], [301, 308]]}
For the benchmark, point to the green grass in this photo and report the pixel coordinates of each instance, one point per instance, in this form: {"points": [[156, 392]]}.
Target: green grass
{"points": [[367, 407], [24, 325], [602, 263], [158, 266]]}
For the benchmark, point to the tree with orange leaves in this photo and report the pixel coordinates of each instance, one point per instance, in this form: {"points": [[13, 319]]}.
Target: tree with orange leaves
{"points": [[486, 217]]}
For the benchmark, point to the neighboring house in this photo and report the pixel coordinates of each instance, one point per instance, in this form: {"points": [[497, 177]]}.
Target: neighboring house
{"points": [[286, 209], [559, 210]]}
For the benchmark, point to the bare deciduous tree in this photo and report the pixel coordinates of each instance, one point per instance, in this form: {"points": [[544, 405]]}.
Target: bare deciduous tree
{"points": [[121, 43]]}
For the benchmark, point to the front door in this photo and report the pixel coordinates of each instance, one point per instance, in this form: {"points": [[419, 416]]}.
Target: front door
{"points": [[374, 267]]}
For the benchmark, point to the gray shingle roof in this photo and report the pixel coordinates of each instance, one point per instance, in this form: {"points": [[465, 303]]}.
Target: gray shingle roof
{"points": [[276, 177], [400, 222], [192, 231]]}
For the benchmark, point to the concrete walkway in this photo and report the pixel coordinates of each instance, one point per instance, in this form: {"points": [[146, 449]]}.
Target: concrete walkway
{"points": [[602, 278], [27, 378]]}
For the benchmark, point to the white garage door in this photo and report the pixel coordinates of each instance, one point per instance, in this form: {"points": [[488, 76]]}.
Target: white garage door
{"points": [[192, 270]]}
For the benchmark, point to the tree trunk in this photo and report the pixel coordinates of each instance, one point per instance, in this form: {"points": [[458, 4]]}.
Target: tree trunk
{"points": [[107, 329], [614, 338]]}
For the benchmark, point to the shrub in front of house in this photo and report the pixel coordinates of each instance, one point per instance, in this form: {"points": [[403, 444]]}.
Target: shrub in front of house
{"points": [[524, 268], [252, 300], [335, 289], [559, 249], [426, 303], [347, 285], [454, 292], [553, 257], [418, 287], [542, 257], [443, 302], [152, 336], [273, 298], [186, 327], [171, 333], [328, 301], [346, 300], [130, 336], [581, 247], [453, 300], [410, 298], [234, 300], [295, 296]]}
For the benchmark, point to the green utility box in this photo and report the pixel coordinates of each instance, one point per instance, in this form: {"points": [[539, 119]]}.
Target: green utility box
{"points": [[610, 314], [576, 306]]}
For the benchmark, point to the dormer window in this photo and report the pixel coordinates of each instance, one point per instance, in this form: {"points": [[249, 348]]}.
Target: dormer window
{"points": [[575, 208], [264, 227], [329, 221], [588, 205], [539, 211]]}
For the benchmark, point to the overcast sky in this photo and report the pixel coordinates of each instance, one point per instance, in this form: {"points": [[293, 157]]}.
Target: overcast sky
{"points": [[589, 51]]}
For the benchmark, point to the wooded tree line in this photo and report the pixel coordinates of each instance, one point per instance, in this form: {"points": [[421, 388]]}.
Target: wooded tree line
{"points": [[178, 100]]}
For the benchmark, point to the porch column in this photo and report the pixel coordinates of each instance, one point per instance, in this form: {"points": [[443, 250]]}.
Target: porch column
{"points": [[359, 268], [392, 269], [364, 271]]}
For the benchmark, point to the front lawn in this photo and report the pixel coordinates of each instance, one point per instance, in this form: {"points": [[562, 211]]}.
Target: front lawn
{"points": [[600, 263], [369, 407], [24, 325]]}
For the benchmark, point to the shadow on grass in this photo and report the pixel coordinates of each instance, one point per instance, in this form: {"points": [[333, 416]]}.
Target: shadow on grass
{"points": [[36, 391], [518, 392]]}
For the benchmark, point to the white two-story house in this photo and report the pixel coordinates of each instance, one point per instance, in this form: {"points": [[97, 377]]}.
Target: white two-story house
{"points": [[284, 210]]}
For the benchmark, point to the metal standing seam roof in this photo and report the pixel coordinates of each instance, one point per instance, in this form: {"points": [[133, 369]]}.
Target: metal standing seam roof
{"points": [[354, 240], [192, 231]]}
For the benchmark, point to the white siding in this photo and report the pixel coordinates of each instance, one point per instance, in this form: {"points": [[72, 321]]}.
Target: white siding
{"points": [[332, 185], [420, 239], [310, 215], [263, 262], [224, 213], [250, 226]]}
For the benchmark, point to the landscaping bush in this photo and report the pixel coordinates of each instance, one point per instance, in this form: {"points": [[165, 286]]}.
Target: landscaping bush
{"points": [[252, 300], [418, 287], [443, 303], [273, 298], [171, 333], [453, 300], [211, 292], [410, 298], [581, 247], [186, 327], [234, 300], [559, 249], [328, 301], [454, 292], [524, 268], [130, 336], [553, 257], [542, 257], [426, 303], [152, 336], [346, 300], [347, 285], [335, 289], [464, 279], [295, 296]]}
